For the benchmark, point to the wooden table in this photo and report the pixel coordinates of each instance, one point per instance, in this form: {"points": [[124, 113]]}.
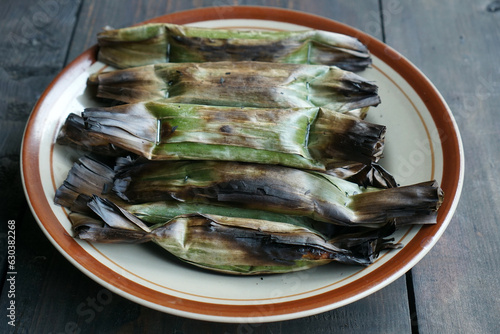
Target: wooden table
{"points": [[454, 289]]}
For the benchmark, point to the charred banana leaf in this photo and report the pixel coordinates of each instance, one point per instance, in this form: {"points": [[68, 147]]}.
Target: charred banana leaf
{"points": [[160, 212], [87, 177], [277, 189], [76, 192], [232, 245], [241, 84], [163, 42], [74, 134], [366, 175], [311, 138]]}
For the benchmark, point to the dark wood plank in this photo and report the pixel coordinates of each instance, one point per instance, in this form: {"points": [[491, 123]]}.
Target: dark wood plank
{"points": [[34, 44], [456, 44], [35, 38]]}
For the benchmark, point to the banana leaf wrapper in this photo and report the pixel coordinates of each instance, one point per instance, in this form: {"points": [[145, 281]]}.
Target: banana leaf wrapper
{"points": [[241, 84], [74, 134], [232, 245], [89, 177], [164, 42], [76, 192], [365, 175], [311, 138], [276, 189], [160, 212]]}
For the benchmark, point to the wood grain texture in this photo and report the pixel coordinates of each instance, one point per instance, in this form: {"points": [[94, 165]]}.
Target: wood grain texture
{"points": [[35, 40], [456, 44]]}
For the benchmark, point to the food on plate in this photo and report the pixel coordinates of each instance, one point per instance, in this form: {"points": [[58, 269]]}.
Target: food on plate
{"points": [[241, 84], [312, 138], [351, 158], [242, 152], [278, 189], [165, 42], [232, 245]]}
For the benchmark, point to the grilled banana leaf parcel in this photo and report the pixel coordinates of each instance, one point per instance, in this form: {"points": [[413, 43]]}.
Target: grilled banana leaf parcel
{"points": [[311, 138], [163, 42], [74, 133], [255, 186], [233, 245], [76, 192], [241, 84]]}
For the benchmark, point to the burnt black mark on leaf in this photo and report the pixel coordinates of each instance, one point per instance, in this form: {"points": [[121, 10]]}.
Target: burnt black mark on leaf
{"points": [[259, 248], [225, 129], [220, 49], [166, 131]]}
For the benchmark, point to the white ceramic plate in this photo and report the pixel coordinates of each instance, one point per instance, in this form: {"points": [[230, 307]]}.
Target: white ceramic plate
{"points": [[422, 143]]}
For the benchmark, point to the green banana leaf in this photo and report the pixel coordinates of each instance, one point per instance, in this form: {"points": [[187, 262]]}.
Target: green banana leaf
{"points": [[311, 138], [165, 42], [271, 188], [241, 84], [232, 245]]}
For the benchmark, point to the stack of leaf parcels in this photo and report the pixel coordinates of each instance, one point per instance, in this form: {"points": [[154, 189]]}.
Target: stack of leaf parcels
{"points": [[244, 152]]}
